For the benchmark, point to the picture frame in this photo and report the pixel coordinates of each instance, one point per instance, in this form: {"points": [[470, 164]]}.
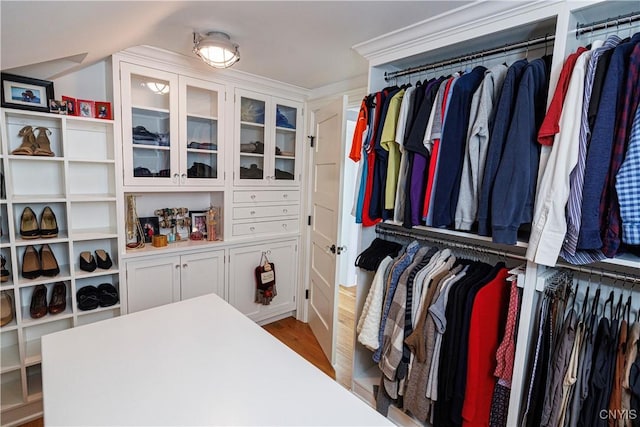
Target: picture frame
{"points": [[57, 107], [199, 222], [71, 105], [86, 108], [103, 110], [150, 226], [25, 93]]}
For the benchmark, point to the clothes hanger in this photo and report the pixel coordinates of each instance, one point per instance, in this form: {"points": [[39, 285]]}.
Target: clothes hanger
{"points": [[610, 302]]}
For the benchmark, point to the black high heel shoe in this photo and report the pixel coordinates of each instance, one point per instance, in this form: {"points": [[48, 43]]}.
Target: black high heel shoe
{"points": [[48, 223], [29, 224], [103, 259], [87, 262]]}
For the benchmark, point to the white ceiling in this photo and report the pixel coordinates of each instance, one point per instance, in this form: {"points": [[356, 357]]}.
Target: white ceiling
{"points": [[305, 43]]}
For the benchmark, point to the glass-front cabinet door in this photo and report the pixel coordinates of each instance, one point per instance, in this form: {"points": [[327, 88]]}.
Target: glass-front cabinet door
{"points": [[150, 123], [253, 138], [288, 118], [201, 122], [269, 140]]}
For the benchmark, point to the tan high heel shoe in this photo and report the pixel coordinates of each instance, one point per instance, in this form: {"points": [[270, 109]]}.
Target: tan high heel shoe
{"points": [[43, 145], [28, 146]]}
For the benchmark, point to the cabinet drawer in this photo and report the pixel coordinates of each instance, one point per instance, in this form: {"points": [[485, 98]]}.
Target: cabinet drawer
{"points": [[258, 212], [266, 227], [265, 196]]}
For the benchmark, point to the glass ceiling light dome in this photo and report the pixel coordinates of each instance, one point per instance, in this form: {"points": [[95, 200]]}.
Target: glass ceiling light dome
{"points": [[216, 49]]}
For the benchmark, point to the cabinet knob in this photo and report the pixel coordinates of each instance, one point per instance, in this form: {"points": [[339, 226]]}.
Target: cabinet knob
{"points": [[253, 196], [285, 210], [284, 225], [183, 178], [175, 177], [252, 212], [285, 196], [177, 266], [252, 228], [185, 265]]}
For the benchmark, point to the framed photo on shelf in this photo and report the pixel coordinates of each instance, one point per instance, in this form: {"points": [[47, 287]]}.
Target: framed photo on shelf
{"points": [[86, 108], [199, 222], [103, 110], [150, 227], [72, 109], [57, 107], [26, 93]]}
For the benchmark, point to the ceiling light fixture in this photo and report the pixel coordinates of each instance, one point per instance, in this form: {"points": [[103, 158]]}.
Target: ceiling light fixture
{"points": [[216, 49], [158, 88]]}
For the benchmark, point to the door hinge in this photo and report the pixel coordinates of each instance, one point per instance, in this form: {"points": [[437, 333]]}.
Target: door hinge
{"points": [[307, 293], [309, 220], [311, 140]]}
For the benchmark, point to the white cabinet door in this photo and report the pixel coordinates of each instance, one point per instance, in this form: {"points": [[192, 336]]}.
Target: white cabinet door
{"points": [[242, 282], [149, 126], [201, 132], [268, 140], [151, 283], [201, 274]]}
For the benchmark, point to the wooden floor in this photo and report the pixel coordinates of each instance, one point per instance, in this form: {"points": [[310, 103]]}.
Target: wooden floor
{"points": [[298, 336]]}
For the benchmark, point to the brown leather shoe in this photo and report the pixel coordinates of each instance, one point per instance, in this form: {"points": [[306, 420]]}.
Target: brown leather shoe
{"points": [[31, 263], [48, 262], [38, 306], [58, 298], [6, 308]]}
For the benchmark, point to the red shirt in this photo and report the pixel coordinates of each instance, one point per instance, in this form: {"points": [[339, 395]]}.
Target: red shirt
{"points": [[361, 126], [550, 127], [488, 317]]}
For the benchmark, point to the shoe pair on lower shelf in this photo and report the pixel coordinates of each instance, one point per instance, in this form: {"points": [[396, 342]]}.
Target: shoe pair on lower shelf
{"points": [[31, 229], [7, 311], [89, 263], [35, 264], [90, 297], [57, 304]]}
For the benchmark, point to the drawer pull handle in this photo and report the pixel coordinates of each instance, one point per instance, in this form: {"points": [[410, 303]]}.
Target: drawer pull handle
{"points": [[252, 228], [284, 225], [252, 212], [285, 210], [253, 196], [286, 196]]}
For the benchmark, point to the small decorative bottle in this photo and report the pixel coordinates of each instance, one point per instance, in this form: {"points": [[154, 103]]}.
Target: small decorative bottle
{"points": [[211, 223]]}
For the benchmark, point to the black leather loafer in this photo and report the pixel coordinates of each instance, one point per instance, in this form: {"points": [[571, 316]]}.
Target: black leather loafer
{"points": [[107, 294], [87, 298]]}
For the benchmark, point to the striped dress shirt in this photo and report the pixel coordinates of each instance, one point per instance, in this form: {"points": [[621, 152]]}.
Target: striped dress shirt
{"points": [[574, 204]]}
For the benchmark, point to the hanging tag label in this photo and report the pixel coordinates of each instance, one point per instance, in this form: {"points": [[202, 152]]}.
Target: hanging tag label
{"points": [[267, 276]]}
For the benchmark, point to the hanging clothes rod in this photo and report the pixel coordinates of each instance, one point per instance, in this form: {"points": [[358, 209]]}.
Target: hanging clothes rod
{"points": [[417, 234], [605, 23], [474, 55], [599, 272]]}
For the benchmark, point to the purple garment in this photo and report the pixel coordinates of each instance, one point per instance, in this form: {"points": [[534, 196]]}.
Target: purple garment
{"points": [[418, 177]]}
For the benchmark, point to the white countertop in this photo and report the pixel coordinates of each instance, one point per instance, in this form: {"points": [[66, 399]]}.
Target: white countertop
{"points": [[195, 362]]}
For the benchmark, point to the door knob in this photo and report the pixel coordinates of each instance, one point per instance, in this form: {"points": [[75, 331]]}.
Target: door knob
{"points": [[337, 249]]}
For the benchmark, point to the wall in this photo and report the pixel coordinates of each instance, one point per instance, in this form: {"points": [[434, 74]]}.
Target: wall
{"points": [[92, 83]]}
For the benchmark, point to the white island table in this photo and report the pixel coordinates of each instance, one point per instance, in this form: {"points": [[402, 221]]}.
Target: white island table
{"points": [[195, 362]]}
